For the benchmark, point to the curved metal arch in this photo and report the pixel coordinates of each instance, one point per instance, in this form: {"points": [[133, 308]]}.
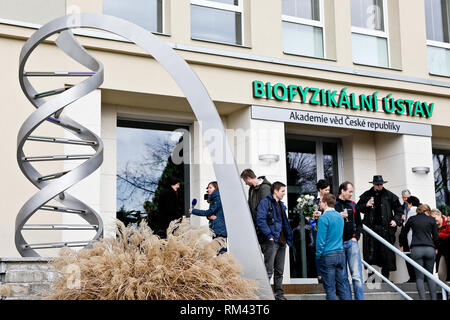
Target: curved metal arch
{"points": [[242, 236]]}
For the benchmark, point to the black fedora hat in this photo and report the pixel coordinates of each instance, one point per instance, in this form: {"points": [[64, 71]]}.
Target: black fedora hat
{"points": [[378, 180]]}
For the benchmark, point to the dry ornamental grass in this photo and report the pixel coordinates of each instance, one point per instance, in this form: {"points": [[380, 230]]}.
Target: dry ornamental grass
{"points": [[140, 265]]}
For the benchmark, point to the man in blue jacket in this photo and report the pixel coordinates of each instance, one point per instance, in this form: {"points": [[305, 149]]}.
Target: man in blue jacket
{"points": [[330, 257], [272, 221]]}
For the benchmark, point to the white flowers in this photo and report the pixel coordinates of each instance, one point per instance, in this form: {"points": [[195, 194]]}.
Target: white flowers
{"points": [[305, 198], [307, 204]]}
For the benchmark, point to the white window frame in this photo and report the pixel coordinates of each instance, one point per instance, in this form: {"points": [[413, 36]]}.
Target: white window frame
{"points": [[434, 43], [437, 44], [310, 22], [226, 7], [376, 33]]}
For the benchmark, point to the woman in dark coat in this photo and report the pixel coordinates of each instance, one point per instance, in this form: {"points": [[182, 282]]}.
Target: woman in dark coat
{"points": [[214, 214], [169, 207], [382, 213], [424, 241]]}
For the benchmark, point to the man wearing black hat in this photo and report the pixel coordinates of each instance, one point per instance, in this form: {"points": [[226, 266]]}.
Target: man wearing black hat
{"points": [[382, 213]]}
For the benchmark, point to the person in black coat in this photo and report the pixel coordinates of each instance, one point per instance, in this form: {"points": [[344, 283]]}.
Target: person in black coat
{"points": [[169, 207], [382, 213]]}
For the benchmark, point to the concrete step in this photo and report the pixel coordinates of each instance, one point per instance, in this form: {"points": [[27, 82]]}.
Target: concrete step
{"points": [[372, 291], [384, 287], [368, 287], [367, 296]]}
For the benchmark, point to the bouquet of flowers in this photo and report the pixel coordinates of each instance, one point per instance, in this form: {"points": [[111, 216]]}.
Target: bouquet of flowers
{"points": [[307, 205]]}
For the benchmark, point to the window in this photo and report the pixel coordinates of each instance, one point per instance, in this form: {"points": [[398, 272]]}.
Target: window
{"points": [[441, 163], [145, 13], [147, 153], [437, 17], [370, 45], [303, 27], [217, 20]]}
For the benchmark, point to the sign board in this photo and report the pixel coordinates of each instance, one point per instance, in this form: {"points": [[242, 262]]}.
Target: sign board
{"points": [[340, 121]]}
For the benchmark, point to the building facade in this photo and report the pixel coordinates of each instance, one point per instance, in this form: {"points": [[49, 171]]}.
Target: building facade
{"points": [[307, 89]]}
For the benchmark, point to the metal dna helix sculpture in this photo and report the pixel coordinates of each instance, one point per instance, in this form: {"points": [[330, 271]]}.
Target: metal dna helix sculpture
{"points": [[241, 233], [49, 108]]}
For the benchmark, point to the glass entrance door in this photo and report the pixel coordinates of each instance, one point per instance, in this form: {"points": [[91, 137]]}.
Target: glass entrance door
{"points": [[308, 159], [148, 153]]}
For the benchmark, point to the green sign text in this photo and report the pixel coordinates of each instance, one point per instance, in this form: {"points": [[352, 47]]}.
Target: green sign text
{"points": [[329, 98]]}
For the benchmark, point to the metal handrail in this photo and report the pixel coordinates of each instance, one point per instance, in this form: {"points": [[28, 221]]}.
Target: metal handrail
{"points": [[411, 261], [387, 281]]}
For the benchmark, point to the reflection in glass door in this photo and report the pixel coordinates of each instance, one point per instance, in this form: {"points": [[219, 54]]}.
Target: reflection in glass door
{"points": [[147, 154], [330, 165], [308, 160]]}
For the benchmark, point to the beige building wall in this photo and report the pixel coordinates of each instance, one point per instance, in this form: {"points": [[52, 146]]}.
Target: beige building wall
{"points": [[108, 170], [32, 11]]}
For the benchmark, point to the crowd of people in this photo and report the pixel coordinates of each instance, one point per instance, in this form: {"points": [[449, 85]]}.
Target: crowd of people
{"points": [[424, 236]]}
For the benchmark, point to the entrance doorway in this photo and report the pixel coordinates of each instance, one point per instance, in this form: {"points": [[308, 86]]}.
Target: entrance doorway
{"points": [[308, 159]]}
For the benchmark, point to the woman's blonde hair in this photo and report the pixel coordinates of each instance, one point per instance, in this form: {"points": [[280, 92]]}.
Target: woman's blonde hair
{"points": [[424, 208], [436, 212]]}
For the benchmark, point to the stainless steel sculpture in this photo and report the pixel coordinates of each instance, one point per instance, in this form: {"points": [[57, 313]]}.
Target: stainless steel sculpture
{"points": [[241, 233]]}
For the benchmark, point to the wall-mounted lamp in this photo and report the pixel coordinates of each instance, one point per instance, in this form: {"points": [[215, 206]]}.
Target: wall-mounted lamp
{"points": [[269, 157], [421, 169]]}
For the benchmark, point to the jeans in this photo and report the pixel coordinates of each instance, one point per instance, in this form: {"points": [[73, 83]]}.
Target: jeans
{"points": [[353, 259], [332, 269], [274, 256]]}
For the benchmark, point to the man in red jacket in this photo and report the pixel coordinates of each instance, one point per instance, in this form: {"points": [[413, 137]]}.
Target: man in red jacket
{"points": [[444, 239]]}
